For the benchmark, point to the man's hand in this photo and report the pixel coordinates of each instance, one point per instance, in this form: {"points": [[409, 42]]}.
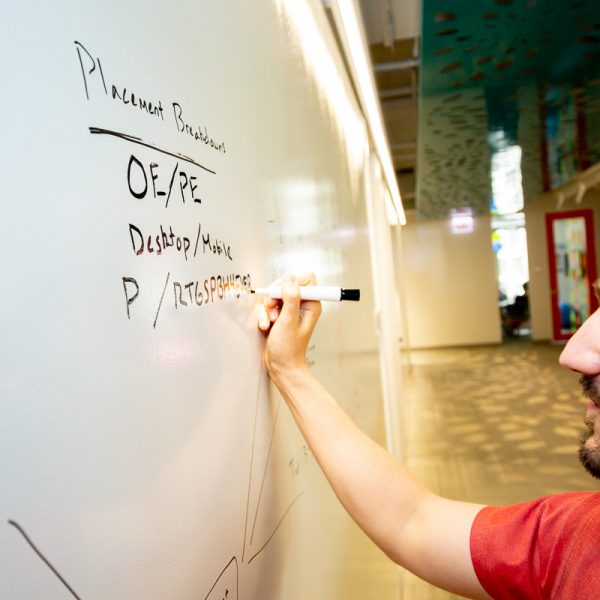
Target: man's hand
{"points": [[289, 323]]}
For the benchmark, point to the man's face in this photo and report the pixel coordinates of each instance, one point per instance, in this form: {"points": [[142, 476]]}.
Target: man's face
{"points": [[582, 354]]}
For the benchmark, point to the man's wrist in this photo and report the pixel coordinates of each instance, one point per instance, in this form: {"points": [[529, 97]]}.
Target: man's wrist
{"points": [[287, 378]]}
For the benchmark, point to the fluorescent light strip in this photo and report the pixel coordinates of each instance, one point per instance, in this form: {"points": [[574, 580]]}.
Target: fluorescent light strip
{"points": [[333, 89], [346, 9]]}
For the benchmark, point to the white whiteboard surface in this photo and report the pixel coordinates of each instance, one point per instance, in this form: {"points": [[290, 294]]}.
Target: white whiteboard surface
{"points": [[143, 454]]}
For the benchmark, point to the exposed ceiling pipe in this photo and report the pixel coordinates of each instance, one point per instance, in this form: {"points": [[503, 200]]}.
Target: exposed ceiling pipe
{"points": [[414, 95], [577, 186], [386, 14], [581, 190], [397, 92], [396, 65]]}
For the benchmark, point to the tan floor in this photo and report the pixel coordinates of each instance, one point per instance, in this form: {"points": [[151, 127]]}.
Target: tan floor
{"points": [[494, 425]]}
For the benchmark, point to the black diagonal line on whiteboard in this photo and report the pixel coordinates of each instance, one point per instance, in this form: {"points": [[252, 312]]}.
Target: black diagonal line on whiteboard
{"points": [[141, 142], [261, 375], [44, 559], [197, 240], [267, 461], [161, 298], [232, 561], [285, 514]]}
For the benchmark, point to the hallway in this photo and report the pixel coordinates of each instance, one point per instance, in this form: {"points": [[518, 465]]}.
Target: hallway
{"points": [[492, 424]]}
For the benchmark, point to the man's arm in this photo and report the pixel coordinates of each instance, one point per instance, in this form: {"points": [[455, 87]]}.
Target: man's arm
{"points": [[419, 530]]}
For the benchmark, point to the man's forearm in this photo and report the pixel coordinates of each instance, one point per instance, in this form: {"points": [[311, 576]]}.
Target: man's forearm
{"points": [[373, 487], [423, 532]]}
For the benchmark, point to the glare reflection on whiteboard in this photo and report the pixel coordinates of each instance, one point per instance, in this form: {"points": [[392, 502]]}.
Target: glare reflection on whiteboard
{"points": [[325, 73], [302, 260]]}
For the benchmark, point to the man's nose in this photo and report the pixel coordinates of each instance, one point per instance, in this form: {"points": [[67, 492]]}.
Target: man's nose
{"points": [[582, 352]]}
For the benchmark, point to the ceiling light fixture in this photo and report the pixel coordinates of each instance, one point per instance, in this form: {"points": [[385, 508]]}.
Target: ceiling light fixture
{"points": [[350, 29]]}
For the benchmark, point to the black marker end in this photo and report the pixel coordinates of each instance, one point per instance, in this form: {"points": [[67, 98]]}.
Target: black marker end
{"points": [[353, 295]]}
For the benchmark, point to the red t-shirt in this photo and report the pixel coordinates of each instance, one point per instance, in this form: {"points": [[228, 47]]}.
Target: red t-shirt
{"points": [[548, 548]]}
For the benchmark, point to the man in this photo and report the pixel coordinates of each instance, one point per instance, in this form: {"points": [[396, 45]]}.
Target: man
{"points": [[548, 548]]}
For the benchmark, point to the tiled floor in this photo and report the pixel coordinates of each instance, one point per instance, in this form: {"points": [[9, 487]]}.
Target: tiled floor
{"points": [[494, 425]]}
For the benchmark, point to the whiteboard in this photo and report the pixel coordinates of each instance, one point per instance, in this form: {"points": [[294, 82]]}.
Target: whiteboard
{"points": [[157, 158]]}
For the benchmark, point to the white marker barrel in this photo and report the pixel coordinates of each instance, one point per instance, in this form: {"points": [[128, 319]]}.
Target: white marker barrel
{"points": [[309, 292], [314, 292]]}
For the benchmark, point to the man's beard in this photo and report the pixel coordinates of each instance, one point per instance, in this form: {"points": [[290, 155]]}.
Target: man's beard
{"points": [[589, 453]]}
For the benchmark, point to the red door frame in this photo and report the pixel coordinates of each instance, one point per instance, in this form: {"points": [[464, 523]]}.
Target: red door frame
{"points": [[588, 218]]}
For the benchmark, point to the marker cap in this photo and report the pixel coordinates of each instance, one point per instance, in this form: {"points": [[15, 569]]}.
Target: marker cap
{"points": [[350, 295]]}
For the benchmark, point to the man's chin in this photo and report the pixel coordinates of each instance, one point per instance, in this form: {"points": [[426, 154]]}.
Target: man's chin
{"points": [[589, 454]]}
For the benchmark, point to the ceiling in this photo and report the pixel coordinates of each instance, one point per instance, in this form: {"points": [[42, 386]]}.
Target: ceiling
{"points": [[473, 79], [393, 29]]}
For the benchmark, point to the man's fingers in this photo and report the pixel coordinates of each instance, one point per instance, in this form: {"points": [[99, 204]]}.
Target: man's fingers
{"points": [[271, 302], [307, 278], [290, 306], [263, 319], [290, 310], [311, 310]]}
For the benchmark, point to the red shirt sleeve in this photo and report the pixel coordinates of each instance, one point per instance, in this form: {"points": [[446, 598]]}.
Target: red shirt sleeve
{"points": [[548, 548]]}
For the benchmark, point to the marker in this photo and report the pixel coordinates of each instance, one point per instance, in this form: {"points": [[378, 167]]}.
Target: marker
{"points": [[313, 292]]}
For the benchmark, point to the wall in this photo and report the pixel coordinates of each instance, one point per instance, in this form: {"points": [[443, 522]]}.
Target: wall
{"points": [[450, 285]]}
